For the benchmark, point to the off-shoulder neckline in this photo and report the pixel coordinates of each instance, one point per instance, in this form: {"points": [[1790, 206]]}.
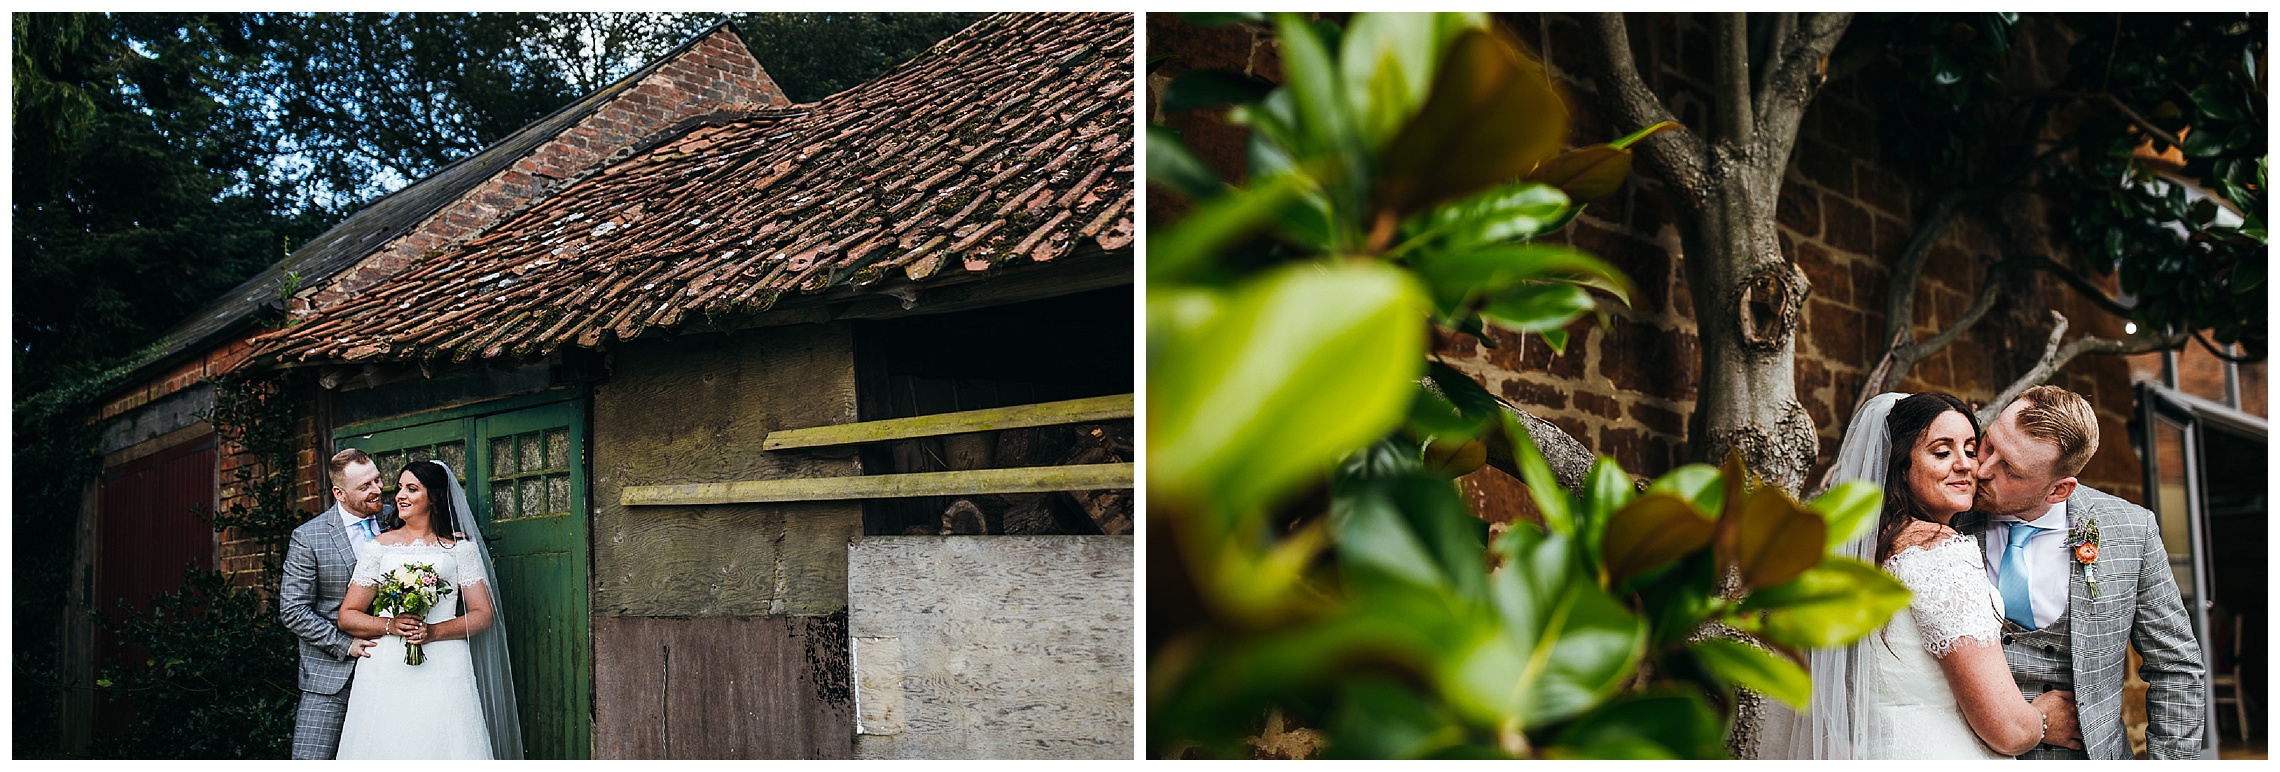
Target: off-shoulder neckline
{"points": [[420, 543], [1951, 539]]}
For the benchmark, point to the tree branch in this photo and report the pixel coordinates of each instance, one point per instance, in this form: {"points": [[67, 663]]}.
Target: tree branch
{"points": [[2056, 356], [2091, 292], [1784, 24], [1797, 76], [1730, 59], [1899, 304], [2238, 359], [2145, 125], [1679, 155]]}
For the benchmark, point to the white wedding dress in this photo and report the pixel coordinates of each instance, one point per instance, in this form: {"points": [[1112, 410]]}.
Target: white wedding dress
{"points": [[1916, 714], [427, 711]]}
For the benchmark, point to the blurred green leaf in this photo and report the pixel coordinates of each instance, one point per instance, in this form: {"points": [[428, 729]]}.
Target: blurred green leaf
{"points": [[1205, 89], [1764, 672], [2215, 101], [1185, 249], [1660, 724], [1172, 165], [1606, 489], [1832, 604], [1222, 18], [1325, 120], [1551, 500], [1378, 719], [1302, 365], [1697, 484], [1538, 307], [1433, 415], [1848, 508], [1490, 117], [1773, 540], [1652, 531], [1416, 529], [1386, 62]]}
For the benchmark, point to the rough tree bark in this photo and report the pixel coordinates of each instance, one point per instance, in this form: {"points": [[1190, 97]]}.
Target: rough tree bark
{"points": [[1747, 294]]}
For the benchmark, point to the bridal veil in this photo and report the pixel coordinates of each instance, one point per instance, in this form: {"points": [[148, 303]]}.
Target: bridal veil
{"points": [[1842, 718], [494, 676]]}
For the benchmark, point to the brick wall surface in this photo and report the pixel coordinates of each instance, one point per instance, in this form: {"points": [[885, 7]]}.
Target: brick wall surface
{"points": [[1628, 390], [241, 554]]}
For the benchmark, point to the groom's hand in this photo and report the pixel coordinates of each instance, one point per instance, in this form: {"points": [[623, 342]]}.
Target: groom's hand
{"points": [[357, 647], [2065, 726]]}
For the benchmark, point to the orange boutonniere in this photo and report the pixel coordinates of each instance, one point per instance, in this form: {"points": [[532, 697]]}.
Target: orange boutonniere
{"points": [[2083, 537]]}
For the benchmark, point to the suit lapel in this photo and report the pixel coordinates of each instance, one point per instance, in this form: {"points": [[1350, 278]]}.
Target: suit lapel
{"points": [[337, 536]]}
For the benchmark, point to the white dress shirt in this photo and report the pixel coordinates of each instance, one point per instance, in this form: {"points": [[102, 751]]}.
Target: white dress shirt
{"points": [[2048, 562]]}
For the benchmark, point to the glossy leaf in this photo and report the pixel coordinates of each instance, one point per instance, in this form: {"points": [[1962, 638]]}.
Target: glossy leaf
{"points": [[1848, 509], [1571, 642], [1652, 531], [1483, 277], [1500, 215], [1773, 540], [1761, 671], [1641, 135], [1538, 307], [1325, 124], [1834, 603], [1491, 116], [1302, 365], [1661, 724], [1415, 529], [1585, 174]]}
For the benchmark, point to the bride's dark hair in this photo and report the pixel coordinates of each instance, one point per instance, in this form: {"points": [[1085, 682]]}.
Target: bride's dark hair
{"points": [[1905, 424], [443, 519]]}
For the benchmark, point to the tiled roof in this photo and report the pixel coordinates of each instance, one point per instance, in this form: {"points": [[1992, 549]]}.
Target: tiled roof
{"points": [[381, 222], [1009, 142]]}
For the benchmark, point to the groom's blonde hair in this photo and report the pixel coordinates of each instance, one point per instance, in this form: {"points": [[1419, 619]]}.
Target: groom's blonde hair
{"points": [[2061, 418], [341, 462]]}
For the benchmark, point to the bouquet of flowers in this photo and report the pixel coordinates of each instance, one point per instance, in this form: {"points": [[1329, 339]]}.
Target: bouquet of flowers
{"points": [[412, 589]]}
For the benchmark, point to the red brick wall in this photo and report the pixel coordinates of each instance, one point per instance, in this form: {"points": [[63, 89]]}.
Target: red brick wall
{"points": [[241, 554], [214, 362], [716, 73], [1628, 390]]}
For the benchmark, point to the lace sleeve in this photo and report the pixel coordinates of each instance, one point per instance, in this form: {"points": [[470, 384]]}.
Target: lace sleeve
{"points": [[1952, 604], [470, 569], [368, 571]]}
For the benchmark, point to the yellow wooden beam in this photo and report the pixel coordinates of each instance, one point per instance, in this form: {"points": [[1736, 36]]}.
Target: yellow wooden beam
{"points": [[1019, 416], [1034, 479]]}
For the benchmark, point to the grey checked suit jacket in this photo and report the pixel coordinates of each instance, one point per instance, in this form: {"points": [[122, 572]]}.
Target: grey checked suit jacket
{"points": [[318, 562], [2137, 603]]}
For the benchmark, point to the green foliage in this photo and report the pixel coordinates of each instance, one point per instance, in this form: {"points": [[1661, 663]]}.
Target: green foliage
{"points": [[255, 413], [814, 55], [217, 676], [1312, 554], [2135, 87]]}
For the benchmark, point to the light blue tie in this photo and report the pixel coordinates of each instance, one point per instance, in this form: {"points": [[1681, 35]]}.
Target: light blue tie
{"points": [[2018, 606]]}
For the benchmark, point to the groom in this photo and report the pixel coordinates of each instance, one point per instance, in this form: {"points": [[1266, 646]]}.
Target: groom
{"points": [[2072, 604], [318, 562]]}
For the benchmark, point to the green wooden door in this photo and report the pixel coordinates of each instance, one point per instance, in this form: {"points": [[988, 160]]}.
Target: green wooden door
{"points": [[525, 472]]}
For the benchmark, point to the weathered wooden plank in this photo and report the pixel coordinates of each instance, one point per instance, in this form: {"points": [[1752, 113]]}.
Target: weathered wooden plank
{"points": [[693, 410], [1033, 479], [722, 688], [1020, 648], [1016, 417]]}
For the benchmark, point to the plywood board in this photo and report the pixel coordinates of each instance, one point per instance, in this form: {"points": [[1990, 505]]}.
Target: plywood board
{"points": [[722, 688], [988, 647]]}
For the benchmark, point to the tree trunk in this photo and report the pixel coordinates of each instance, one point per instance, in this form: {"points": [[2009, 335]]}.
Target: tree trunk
{"points": [[1747, 299]]}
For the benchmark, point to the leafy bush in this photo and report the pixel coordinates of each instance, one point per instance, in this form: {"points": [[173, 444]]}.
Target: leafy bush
{"points": [[219, 678], [1310, 552]]}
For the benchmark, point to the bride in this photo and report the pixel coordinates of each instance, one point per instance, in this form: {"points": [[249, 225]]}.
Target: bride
{"points": [[462, 692], [1933, 684]]}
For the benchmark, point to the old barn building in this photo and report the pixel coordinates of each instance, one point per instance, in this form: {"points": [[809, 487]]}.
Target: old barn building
{"points": [[799, 430]]}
